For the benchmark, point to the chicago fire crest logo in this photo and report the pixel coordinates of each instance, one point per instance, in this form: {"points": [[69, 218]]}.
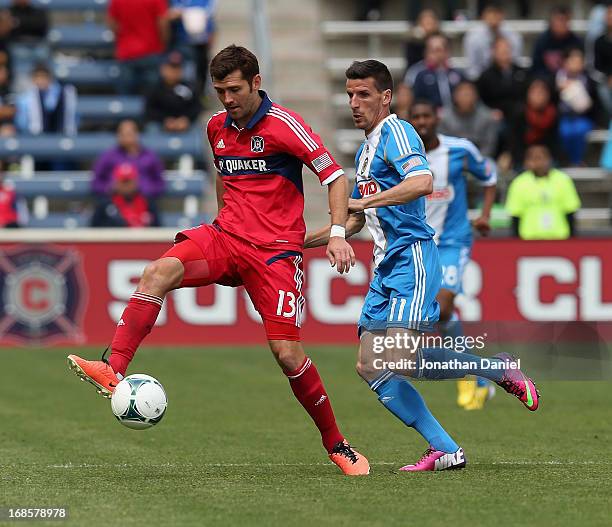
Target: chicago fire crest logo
{"points": [[42, 293], [257, 144]]}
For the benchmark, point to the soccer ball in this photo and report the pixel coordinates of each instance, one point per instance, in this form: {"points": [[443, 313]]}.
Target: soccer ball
{"points": [[139, 401]]}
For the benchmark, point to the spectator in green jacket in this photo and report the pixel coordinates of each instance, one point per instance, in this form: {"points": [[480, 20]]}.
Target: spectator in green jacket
{"points": [[542, 200]]}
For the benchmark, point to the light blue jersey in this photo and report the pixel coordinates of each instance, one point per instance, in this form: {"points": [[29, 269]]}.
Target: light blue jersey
{"points": [[447, 205], [408, 274], [392, 152]]}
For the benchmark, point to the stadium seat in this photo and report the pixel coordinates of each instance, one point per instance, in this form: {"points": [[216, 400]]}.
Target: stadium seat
{"points": [[60, 220], [46, 188], [77, 185], [181, 221], [88, 35], [340, 29], [101, 73], [64, 5], [86, 146], [104, 108], [69, 221]]}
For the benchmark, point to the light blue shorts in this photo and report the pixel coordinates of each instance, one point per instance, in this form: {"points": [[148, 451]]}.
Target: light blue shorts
{"points": [[403, 290], [453, 260]]}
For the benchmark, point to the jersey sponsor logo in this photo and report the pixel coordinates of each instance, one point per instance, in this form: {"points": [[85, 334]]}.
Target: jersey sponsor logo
{"points": [[368, 187], [322, 162], [366, 161], [220, 144], [257, 144], [43, 294], [230, 166], [442, 195]]}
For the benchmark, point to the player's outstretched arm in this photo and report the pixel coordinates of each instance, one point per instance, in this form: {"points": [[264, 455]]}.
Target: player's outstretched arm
{"points": [[485, 171], [411, 188], [320, 237], [482, 223], [339, 252]]}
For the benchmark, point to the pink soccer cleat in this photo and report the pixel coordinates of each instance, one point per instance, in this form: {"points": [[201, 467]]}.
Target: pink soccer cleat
{"points": [[518, 384], [433, 460]]}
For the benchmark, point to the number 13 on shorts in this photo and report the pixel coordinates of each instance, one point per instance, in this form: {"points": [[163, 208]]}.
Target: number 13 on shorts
{"points": [[287, 306], [290, 306]]}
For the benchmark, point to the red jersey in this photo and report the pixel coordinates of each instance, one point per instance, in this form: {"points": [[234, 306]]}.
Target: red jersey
{"points": [[8, 206], [261, 168], [138, 33]]}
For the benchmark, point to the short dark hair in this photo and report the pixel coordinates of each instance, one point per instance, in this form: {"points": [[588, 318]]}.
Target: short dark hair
{"points": [[495, 5], [41, 67], [234, 58], [423, 102], [128, 120], [561, 10], [498, 39], [437, 35], [535, 146], [371, 68], [571, 50]]}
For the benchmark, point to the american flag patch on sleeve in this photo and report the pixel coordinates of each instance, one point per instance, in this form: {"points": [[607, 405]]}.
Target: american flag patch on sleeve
{"points": [[413, 162], [322, 162]]}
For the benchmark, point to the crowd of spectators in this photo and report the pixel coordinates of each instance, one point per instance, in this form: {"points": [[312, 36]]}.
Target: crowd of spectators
{"points": [[500, 104], [514, 111], [158, 44]]}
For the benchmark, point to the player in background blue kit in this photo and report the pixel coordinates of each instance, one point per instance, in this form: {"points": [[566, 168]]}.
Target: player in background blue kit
{"points": [[393, 178], [450, 158]]}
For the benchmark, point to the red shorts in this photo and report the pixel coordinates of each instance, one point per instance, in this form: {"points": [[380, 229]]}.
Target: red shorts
{"points": [[272, 278]]}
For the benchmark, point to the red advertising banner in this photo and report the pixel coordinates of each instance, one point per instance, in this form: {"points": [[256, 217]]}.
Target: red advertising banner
{"points": [[74, 292]]}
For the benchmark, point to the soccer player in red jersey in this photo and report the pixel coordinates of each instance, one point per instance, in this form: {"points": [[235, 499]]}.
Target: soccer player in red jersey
{"points": [[256, 240]]}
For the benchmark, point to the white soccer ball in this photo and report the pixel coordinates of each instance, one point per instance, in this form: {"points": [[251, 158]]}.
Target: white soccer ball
{"points": [[139, 401]]}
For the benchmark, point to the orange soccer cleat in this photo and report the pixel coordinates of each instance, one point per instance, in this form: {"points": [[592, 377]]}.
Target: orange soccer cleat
{"points": [[351, 462], [97, 372]]}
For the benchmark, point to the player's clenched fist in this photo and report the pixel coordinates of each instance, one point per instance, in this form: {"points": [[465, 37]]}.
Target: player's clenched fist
{"points": [[340, 254], [482, 225], [355, 205]]}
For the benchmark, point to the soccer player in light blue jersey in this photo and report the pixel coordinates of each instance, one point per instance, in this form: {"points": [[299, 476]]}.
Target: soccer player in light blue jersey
{"points": [[450, 159], [393, 178]]}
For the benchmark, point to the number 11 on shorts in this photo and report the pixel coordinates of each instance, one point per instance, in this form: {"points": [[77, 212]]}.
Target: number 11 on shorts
{"points": [[290, 304]]}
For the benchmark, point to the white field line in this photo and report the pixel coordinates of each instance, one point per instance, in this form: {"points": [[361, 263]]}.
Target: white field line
{"points": [[255, 465]]}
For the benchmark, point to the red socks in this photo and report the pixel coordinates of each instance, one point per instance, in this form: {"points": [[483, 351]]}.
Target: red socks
{"points": [[138, 320], [308, 389], [135, 324]]}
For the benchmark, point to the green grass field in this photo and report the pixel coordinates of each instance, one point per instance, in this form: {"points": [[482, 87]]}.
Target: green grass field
{"points": [[235, 448]]}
